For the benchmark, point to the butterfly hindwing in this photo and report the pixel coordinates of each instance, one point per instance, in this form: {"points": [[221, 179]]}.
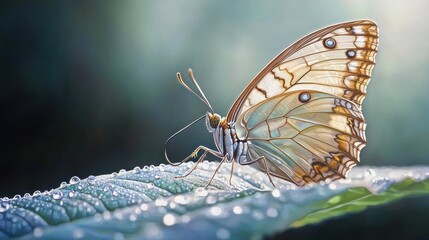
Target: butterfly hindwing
{"points": [[303, 111]]}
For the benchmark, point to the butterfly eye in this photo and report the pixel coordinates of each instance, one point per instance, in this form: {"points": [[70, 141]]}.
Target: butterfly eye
{"points": [[329, 43], [304, 97], [214, 120], [351, 53]]}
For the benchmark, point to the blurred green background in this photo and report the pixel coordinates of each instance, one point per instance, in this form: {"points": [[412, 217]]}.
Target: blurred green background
{"points": [[90, 87]]}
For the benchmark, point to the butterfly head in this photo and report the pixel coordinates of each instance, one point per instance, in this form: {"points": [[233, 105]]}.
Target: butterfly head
{"points": [[212, 121]]}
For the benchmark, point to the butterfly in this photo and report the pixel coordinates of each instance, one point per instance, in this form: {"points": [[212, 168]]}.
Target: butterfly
{"points": [[300, 119]]}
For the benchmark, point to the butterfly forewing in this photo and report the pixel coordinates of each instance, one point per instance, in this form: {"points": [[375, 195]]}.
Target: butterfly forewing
{"points": [[318, 135]]}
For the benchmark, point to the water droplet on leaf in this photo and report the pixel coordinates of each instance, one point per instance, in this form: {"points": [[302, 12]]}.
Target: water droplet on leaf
{"points": [[74, 180], [169, 219], [57, 194]]}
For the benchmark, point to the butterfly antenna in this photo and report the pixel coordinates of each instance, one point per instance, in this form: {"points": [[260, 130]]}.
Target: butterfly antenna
{"points": [[202, 99], [172, 136], [191, 74]]}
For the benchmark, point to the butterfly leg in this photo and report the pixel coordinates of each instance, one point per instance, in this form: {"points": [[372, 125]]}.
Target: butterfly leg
{"points": [[267, 170], [217, 169], [232, 170], [213, 152], [194, 153], [195, 166]]}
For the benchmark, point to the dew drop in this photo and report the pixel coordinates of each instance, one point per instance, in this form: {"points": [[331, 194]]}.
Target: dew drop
{"points": [[118, 215], [144, 207], [4, 207], [276, 193], [5, 199], [222, 233], [185, 218], [216, 211], [136, 170], [27, 195], [91, 179], [145, 169], [205, 165], [107, 215], [328, 181], [114, 174], [380, 184], [57, 194], [38, 232], [115, 193], [72, 194], [157, 176], [161, 167], [36, 193], [150, 185], [272, 212], [211, 200], [179, 199], [133, 218], [237, 210], [17, 196], [201, 192], [63, 184], [151, 167], [122, 171], [189, 164], [169, 219], [74, 180]]}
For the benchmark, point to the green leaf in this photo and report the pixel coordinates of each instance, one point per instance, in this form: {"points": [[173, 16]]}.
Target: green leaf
{"points": [[357, 199], [151, 203]]}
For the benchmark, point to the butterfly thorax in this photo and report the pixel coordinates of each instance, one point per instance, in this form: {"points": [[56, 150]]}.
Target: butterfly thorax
{"points": [[225, 137]]}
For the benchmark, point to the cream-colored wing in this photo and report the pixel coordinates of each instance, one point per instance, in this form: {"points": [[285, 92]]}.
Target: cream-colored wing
{"points": [[337, 60], [303, 111], [304, 139]]}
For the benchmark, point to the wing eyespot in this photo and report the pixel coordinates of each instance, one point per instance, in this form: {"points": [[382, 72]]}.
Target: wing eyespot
{"points": [[351, 53], [350, 30], [304, 97], [329, 43]]}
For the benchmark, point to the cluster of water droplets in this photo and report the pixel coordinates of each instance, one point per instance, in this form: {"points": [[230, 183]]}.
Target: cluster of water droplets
{"points": [[96, 196], [152, 202]]}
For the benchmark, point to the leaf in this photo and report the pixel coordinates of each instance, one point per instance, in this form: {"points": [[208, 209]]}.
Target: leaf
{"points": [[150, 203]]}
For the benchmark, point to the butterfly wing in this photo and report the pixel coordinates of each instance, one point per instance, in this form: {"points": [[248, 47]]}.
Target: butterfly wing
{"points": [[302, 112]]}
